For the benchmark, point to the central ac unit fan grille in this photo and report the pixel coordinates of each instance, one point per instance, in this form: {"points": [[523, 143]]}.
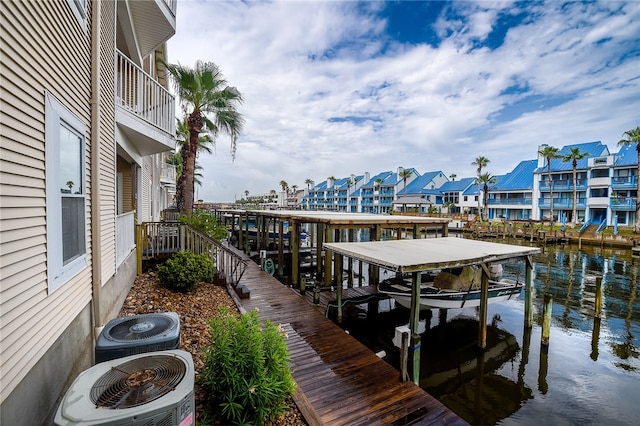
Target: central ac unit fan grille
{"points": [[141, 327], [137, 382]]}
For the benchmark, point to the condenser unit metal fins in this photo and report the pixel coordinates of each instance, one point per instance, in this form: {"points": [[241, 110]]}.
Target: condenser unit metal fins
{"points": [[138, 334], [154, 389]]}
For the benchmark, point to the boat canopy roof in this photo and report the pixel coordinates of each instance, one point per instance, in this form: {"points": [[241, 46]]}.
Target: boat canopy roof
{"points": [[344, 218], [430, 253]]}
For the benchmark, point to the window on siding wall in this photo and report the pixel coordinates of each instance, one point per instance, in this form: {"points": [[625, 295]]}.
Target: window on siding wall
{"points": [[66, 193], [79, 9]]}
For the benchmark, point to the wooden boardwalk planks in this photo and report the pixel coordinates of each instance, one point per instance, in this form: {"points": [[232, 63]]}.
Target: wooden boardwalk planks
{"points": [[340, 381]]}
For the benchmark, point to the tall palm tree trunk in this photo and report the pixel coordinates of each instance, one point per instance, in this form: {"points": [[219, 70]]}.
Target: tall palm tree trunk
{"points": [[195, 127]]}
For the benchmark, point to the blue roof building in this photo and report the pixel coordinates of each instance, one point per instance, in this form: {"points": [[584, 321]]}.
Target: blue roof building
{"points": [[605, 187], [554, 185], [511, 197], [421, 193]]}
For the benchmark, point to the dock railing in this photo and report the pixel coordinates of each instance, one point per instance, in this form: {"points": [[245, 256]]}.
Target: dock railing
{"points": [[155, 239]]}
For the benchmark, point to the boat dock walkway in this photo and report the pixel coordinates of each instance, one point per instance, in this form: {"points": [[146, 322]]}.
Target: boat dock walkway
{"points": [[340, 381]]}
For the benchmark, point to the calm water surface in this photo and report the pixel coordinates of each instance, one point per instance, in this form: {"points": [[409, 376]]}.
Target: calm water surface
{"points": [[590, 373]]}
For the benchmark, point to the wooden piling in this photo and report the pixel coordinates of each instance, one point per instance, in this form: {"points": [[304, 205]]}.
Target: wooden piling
{"points": [[338, 267], [294, 245], [404, 351], [598, 304], [528, 293], [328, 238], [414, 325], [484, 302], [546, 322]]}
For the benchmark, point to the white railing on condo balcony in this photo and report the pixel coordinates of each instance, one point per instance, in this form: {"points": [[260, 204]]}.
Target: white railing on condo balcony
{"points": [[140, 94], [168, 173], [125, 236]]}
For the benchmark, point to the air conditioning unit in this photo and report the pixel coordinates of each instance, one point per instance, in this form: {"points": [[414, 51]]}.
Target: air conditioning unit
{"points": [[138, 334], [147, 389]]}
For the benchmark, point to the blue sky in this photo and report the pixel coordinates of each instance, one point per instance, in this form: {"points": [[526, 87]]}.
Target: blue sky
{"points": [[334, 88]]}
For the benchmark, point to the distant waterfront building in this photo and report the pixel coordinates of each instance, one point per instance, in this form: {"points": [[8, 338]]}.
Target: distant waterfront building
{"points": [[593, 181], [511, 198], [421, 193], [606, 190]]}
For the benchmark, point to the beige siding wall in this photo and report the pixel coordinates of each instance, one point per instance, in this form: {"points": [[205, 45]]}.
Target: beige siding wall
{"points": [[44, 49], [107, 154]]}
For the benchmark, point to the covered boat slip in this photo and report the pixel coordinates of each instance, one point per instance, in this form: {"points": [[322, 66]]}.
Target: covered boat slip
{"points": [[418, 255], [324, 226]]}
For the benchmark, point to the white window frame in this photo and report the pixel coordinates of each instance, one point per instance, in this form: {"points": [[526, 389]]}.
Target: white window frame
{"points": [[56, 115], [79, 9]]}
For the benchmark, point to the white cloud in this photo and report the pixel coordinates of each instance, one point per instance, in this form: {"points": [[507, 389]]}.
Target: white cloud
{"points": [[298, 64]]}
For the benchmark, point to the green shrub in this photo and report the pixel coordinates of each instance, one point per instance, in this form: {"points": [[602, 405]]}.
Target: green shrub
{"points": [[246, 372], [205, 223], [184, 270]]}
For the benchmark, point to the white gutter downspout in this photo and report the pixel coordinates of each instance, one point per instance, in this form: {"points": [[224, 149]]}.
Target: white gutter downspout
{"points": [[96, 251]]}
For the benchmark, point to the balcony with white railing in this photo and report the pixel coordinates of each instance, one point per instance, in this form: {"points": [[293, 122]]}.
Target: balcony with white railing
{"points": [[168, 174], [145, 110]]}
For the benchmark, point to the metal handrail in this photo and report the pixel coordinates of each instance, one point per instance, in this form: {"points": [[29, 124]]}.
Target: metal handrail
{"points": [[584, 226], [156, 238]]}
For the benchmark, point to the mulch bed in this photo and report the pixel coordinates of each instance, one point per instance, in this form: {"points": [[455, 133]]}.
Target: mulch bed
{"points": [[196, 309]]}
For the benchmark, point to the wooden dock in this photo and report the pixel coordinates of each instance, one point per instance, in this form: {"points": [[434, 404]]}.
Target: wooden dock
{"points": [[340, 381]]}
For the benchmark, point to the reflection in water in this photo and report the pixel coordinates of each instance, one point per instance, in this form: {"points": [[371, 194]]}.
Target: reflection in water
{"points": [[589, 373], [595, 338], [463, 378]]}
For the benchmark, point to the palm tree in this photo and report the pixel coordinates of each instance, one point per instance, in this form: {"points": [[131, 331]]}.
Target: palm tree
{"points": [[309, 183], [549, 153], [246, 193], [404, 175], [574, 155], [453, 176], [205, 144], [629, 137], [70, 185], [480, 162], [285, 191], [484, 180], [203, 91]]}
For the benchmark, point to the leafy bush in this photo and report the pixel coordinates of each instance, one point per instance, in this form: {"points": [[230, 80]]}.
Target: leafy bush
{"points": [[206, 223], [184, 270], [246, 372]]}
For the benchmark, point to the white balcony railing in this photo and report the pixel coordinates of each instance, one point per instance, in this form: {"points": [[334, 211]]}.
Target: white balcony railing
{"points": [[125, 236], [168, 174], [143, 96]]}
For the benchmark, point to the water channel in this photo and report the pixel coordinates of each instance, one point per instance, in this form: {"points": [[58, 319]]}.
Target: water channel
{"points": [[589, 373]]}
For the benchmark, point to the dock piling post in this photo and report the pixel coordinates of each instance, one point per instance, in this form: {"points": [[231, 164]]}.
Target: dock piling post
{"points": [[404, 351], [598, 304], [528, 293], [546, 323]]}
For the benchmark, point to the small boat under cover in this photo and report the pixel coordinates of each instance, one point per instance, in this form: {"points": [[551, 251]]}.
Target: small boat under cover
{"points": [[452, 288]]}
